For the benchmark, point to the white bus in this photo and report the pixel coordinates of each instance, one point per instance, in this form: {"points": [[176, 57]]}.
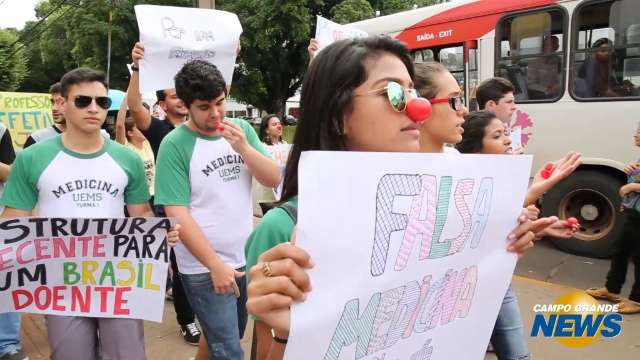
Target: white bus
{"points": [[576, 68]]}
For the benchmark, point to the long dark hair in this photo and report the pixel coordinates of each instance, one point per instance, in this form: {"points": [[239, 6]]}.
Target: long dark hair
{"points": [[474, 126], [264, 125], [327, 94]]}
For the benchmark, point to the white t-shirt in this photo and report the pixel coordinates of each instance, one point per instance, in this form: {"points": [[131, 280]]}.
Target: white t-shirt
{"points": [[207, 176], [68, 184]]}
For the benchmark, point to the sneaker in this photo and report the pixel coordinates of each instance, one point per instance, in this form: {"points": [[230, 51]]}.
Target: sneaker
{"points": [[15, 355], [190, 334]]}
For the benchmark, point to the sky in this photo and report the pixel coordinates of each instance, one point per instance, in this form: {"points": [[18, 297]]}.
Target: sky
{"points": [[15, 13]]}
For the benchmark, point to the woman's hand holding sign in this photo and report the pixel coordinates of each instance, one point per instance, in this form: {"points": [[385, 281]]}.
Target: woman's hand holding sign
{"points": [[277, 281]]}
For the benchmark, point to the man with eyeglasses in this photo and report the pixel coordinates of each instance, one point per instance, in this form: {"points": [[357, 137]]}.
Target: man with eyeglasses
{"points": [[77, 156], [59, 124]]}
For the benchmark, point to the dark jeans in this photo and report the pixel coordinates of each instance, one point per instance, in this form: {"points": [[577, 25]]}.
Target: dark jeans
{"points": [[627, 247], [184, 313], [223, 318]]}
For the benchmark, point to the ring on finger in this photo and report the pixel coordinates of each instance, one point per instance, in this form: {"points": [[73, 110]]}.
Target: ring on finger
{"points": [[266, 269]]}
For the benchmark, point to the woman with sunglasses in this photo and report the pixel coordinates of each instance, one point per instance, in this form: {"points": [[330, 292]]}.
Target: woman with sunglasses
{"points": [[356, 96], [435, 83]]}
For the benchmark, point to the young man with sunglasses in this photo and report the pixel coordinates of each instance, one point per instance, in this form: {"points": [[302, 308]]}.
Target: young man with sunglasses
{"points": [[51, 174], [59, 124], [203, 178], [155, 130]]}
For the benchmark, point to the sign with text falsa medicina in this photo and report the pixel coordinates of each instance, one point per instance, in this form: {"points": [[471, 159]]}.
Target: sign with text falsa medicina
{"points": [[410, 253], [113, 268]]}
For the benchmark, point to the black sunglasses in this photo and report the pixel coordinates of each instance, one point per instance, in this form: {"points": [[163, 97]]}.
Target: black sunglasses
{"points": [[82, 101]]}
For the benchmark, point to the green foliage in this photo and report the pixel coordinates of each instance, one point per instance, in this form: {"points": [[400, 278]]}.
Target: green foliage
{"points": [[388, 7], [350, 11], [273, 58], [13, 64]]}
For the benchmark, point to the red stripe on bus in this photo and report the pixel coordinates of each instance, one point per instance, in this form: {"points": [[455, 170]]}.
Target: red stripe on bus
{"points": [[465, 22]]}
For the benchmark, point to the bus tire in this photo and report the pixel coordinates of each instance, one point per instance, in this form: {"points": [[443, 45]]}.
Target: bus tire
{"points": [[590, 196]]}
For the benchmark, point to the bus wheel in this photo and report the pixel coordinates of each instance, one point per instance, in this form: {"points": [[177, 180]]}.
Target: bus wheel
{"points": [[591, 197]]}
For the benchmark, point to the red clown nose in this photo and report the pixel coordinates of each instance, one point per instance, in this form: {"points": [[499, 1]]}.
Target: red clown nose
{"points": [[418, 110]]}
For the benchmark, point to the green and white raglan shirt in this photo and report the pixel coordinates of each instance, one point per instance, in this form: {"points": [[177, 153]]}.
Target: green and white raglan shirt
{"points": [[208, 177], [67, 184]]}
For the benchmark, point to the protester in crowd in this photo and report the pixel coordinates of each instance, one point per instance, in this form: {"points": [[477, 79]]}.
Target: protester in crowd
{"points": [[344, 106], [628, 245], [154, 130], [484, 133], [203, 178], [59, 123], [79, 153], [435, 83], [271, 130], [497, 96], [10, 345], [128, 134]]}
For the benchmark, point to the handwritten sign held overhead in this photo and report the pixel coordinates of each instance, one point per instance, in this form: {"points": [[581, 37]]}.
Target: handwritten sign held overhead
{"points": [[174, 35], [328, 32], [410, 253], [113, 268]]}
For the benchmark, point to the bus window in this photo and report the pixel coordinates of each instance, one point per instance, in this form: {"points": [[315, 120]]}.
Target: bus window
{"points": [[453, 59], [606, 60], [531, 54], [423, 55]]}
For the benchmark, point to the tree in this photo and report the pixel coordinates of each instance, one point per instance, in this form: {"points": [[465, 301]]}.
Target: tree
{"points": [[274, 56], [350, 11], [13, 68], [388, 7]]}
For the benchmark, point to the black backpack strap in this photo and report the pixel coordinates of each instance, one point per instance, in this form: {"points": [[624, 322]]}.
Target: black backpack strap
{"points": [[291, 210]]}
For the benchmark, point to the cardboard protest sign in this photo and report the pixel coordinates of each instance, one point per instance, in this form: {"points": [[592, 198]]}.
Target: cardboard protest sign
{"points": [[24, 113], [410, 253], [84, 267], [328, 32], [174, 35]]}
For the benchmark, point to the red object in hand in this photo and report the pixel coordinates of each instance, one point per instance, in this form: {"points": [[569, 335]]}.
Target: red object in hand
{"points": [[573, 222], [220, 128], [547, 171], [418, 110]]}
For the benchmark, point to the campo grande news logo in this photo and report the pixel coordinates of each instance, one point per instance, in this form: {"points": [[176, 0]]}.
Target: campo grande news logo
{"points": [[576, 320]]}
